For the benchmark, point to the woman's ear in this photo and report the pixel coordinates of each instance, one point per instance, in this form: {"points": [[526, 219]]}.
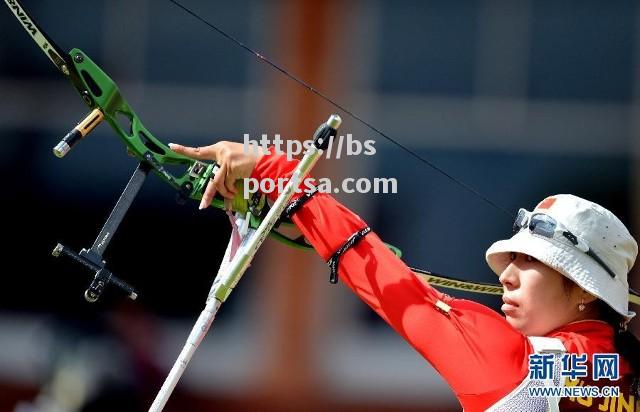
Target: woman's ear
{"points": [[588, 297]]}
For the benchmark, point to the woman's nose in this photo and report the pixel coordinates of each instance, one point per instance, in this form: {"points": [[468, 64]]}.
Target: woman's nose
{"points": [[509, 276]]}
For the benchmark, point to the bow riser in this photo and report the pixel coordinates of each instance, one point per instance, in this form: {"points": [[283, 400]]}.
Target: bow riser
{"points": [[99, 91]]}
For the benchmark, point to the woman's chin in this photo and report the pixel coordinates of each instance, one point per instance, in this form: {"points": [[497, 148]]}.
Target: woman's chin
{"points": [[517, 323], [511, 320], [527, 328]]}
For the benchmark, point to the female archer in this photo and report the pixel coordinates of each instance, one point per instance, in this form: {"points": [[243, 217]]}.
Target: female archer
{"points": [[564, 275]]}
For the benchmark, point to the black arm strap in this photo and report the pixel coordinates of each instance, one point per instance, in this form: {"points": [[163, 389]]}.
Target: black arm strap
{"points": [[295, 205], [335, 258]]}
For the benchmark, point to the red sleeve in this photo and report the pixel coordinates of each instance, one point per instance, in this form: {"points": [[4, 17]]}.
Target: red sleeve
{"points": [[474, 349]]}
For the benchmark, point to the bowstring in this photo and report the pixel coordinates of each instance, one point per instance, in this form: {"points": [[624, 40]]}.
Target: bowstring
{"points": [[334, 103]]}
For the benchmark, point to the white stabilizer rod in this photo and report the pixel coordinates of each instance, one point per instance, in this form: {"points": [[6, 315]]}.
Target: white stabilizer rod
{"points": [[199, 331], [230, 272]]}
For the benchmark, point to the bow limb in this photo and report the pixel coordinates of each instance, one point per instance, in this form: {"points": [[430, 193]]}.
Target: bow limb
{"points": [[48, 47]]}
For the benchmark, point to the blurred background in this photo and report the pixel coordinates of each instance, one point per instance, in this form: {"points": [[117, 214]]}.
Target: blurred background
{"points": [[518, 99]]}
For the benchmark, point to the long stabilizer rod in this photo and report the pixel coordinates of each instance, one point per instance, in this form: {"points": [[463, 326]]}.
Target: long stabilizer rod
{"points": [[233, 267]]}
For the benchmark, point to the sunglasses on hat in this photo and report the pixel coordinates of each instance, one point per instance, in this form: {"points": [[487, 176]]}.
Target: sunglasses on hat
{"points": [[544, 225]]}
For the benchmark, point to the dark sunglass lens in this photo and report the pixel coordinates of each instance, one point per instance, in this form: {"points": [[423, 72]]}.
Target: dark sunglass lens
{"points": [[542, 225], [519, 222]]}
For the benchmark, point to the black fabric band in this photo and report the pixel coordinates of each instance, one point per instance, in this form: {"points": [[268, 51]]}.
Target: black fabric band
{"points": [[335, 259], [295, 205]]}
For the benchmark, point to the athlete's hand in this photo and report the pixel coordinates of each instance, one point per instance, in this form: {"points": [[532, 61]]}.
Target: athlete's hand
{"points": [[234, 164]]}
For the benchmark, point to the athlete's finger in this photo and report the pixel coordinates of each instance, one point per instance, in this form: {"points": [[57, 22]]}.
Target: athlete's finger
{"points": [[219, 180], [200, 153], [230, 184], [208, 195]]}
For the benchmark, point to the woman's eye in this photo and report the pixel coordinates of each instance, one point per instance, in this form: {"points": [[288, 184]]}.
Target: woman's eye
{"points": [[512, 256], [531, 259]]}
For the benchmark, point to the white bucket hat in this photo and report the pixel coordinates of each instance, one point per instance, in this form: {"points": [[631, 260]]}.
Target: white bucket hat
{"points": [[586, 243]]}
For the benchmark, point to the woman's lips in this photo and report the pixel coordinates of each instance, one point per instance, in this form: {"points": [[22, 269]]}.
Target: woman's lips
{"points": [[509, 307]]}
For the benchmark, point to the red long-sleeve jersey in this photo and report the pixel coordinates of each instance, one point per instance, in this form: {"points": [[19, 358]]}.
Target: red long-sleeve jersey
{"points": [[474, 349]]}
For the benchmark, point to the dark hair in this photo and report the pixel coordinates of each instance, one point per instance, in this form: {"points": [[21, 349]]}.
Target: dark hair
{"points": [[625, 342]]}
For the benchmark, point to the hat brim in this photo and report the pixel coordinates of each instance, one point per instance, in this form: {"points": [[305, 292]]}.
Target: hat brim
{"points": [[568, 260]]}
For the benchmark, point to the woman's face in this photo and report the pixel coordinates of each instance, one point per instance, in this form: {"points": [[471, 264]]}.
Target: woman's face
{"points": [[536, 300]]}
